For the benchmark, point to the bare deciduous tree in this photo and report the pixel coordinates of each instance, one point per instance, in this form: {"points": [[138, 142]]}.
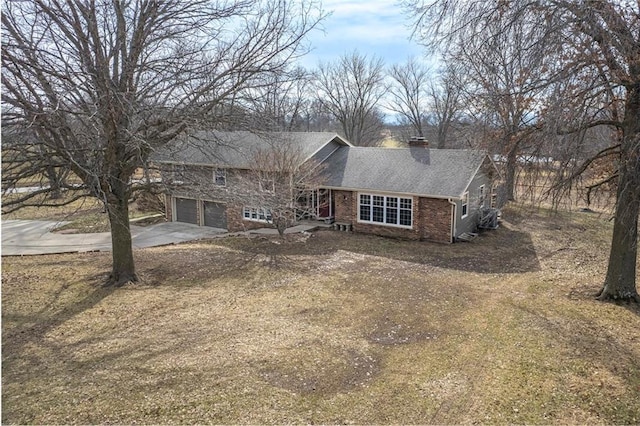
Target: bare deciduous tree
{"points": [[408, 93], [504, 75], [445, 97], [422, 99], [275, 184], [350, 90], [597, 38], [102, 84], [283, 102]]}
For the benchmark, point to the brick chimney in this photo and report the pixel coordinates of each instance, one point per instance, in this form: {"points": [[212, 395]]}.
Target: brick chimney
{"points": [[418, 142]]}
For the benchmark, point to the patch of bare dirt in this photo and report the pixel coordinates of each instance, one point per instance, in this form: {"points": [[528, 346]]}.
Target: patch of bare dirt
{"points": [[187, 263], [336, 370]]}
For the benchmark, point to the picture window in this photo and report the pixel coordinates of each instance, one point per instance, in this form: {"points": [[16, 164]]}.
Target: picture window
{"points": [[385, 210]]}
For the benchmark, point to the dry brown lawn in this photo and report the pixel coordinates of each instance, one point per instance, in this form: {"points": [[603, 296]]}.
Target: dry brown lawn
{"points": [[331, 329]]}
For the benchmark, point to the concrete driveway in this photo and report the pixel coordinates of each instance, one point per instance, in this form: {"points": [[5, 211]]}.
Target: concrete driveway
{"points": [[29, 237]]}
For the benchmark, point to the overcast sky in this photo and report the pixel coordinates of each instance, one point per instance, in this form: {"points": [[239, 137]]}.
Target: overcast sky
{"points": [[371, 26]]}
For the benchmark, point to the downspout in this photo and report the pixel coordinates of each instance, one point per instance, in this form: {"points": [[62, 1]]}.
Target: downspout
{"points": [[453, 219]]}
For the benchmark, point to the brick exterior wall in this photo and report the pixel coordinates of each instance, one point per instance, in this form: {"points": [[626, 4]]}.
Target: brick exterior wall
{"points": [[168, 207], [434, 219], [431, 218], [344, 206]]}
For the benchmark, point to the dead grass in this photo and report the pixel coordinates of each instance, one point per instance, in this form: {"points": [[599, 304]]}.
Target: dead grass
{"points": [[347, 329]]}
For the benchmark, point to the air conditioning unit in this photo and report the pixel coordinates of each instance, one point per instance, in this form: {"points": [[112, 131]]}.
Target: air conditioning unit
{"points": [[489, 218]]}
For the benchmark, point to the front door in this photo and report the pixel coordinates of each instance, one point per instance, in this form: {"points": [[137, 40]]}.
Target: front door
{"points": [[324, 203], [316, 204]]}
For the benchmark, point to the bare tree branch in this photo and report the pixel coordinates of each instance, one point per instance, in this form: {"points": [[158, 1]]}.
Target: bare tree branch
{"points": [[350, 90]]}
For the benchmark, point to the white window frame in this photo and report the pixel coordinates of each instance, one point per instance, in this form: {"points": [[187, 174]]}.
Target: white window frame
{"points": [[220, 174], [464, 205], [481, 196], [256, 214], [385, 209]]}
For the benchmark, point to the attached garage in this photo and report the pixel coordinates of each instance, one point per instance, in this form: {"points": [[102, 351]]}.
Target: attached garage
{"points": [[214, 214], [186, 210]]}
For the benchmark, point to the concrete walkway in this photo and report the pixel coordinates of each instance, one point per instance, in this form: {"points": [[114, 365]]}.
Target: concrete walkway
{"points": [[32, 237]]}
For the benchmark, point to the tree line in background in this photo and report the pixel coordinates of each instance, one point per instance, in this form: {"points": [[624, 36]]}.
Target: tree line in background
{"points": [[92, 88]]}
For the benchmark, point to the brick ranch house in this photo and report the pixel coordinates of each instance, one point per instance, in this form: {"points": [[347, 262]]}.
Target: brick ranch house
{"points": [[416, 192]]}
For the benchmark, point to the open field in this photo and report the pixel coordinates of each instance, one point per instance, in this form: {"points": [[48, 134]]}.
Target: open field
{"points": [[536, 186], [336, 328]]}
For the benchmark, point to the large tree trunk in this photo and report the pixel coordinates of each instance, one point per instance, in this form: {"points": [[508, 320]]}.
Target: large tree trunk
{"points": [[123, 270], [510, 174], [620, 282], [54, 182], [281, 226], [442, 135]]}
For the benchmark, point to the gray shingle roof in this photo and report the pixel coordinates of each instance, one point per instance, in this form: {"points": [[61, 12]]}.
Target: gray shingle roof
{"points": [[235, 149], [419, 171]]}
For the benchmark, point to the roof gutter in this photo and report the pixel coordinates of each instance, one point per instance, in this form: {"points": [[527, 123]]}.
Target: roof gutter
{"points": [[453, 220]]}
